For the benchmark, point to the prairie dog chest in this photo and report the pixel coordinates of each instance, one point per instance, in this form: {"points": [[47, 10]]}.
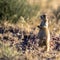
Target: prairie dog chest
{"points": [[44, 25], [44, 29]]}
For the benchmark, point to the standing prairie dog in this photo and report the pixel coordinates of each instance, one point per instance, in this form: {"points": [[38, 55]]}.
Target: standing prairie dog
{"points": [[44, 34]]}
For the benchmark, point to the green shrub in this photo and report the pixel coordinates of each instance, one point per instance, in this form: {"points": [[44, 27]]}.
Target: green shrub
{"points": [[13, 9]]}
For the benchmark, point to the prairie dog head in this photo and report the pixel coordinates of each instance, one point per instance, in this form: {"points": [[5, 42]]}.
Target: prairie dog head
{"points": [[43, 17], [44, 20]]}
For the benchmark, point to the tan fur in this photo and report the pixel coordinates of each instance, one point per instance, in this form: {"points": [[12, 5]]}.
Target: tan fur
{"points": [[47, 38], [47, 35]]}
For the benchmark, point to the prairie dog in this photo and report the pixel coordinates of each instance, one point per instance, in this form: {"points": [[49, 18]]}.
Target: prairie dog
{"points": [[44, 34]]}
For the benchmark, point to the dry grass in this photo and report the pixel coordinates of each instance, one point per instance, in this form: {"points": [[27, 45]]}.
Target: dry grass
{"points": [[7, 52]]}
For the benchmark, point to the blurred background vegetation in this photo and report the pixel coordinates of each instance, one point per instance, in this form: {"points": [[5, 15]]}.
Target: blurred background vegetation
{"points": [[13, 9]]}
